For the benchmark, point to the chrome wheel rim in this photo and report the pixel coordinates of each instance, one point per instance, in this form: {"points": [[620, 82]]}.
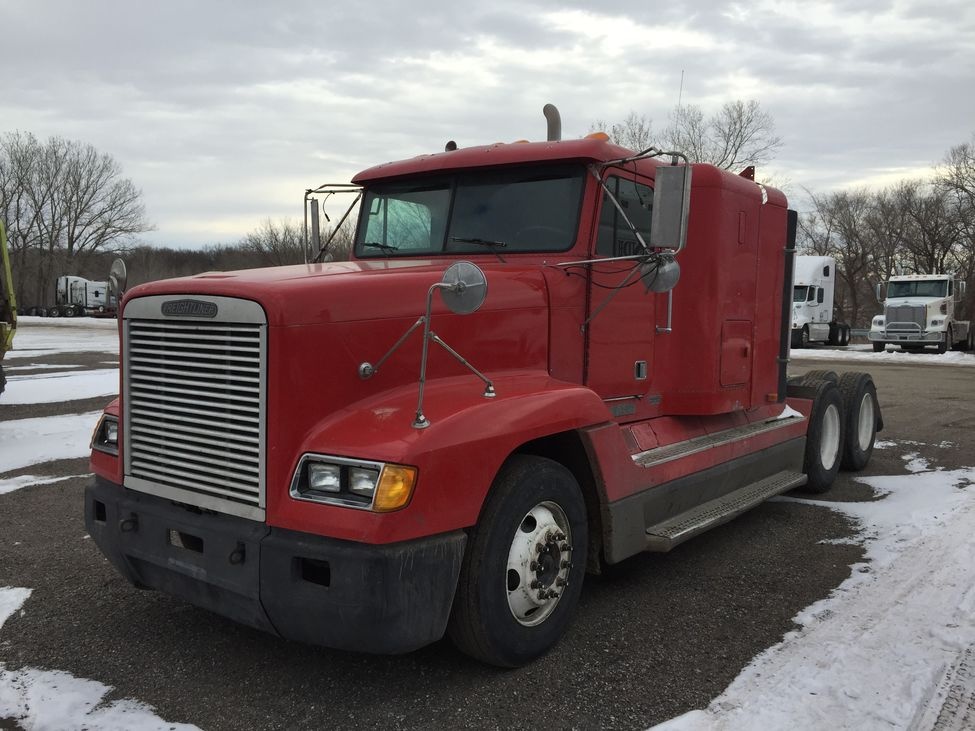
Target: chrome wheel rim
{"points": [[539, 561]]}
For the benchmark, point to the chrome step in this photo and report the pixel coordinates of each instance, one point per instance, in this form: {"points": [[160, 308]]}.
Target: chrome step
{"points": [[664, 536]]}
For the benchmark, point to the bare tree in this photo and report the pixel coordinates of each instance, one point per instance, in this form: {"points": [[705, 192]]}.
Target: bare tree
{"points": [[635, 132], [60, 198], [738, 135], [276, 244]]}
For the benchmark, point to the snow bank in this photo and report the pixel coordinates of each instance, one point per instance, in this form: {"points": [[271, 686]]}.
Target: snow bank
{"points": [[51, 699], [878, 651], [24, 442], [49, 388], [865, 353]]}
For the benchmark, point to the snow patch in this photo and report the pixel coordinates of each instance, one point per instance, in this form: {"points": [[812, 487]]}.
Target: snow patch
{"points": [[12, 598], [875, 652], [50, 388], [21, 481], [51, 699], [24, 442]]}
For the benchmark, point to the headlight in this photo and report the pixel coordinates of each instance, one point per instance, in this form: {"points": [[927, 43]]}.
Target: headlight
{"points": [[325, 477], [353, 483], [936, 323], [878, 321], [105, 438]]}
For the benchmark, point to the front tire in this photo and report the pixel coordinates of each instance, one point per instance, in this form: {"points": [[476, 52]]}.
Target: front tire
{"points": [[519, 584], [879, 347], [945, 342]]}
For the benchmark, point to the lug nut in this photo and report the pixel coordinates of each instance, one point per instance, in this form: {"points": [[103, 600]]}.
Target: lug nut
{"points": [[536, 584], [540, 547], [533, 565], [560, 581], [560, 536], [542, 596], [565, 547], [567, 564]]}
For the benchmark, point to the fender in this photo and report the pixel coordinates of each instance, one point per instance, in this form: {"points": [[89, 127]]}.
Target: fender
{"points": [[457, 456]]}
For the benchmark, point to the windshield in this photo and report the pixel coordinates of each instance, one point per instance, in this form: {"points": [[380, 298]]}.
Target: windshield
{"points": [[929, 288], [517, 209], [799, 293]]}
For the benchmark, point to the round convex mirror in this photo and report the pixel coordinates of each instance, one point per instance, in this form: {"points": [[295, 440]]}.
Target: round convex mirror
{"points": [[117, 278], [464, 287]]}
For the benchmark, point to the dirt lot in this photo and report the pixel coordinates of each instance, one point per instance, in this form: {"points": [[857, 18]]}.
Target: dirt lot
{"points": [[661, 635]]}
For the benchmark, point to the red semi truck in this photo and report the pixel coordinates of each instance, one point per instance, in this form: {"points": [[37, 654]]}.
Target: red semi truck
{"points": [[506, 388]]}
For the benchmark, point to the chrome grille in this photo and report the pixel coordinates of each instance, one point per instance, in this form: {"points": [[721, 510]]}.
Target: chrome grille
{"points": [[194, 406], [906, 317]]}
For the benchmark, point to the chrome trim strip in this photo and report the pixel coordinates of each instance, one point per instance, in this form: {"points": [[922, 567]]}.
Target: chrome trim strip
{"points": [[696, 445]]}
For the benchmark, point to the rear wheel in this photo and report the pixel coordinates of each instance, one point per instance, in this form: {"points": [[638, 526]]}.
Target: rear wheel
{"points": [[821, 376], [54, 312], [862, 418], [519, 584], [824, 435]]}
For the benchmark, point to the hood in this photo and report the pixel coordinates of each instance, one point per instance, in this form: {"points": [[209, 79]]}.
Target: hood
{"points": [[339, 292]]}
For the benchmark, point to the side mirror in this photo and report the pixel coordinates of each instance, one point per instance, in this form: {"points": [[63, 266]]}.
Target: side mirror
{"points": [[671, 200], [879, 289], [463, 288], [961, 288], [117, 279]]}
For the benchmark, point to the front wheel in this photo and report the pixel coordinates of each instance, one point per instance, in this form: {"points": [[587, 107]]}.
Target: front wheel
{"points": [[945, 342], [523, 570], [879, 347]]}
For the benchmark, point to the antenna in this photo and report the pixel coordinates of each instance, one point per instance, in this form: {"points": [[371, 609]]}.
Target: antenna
{"points": [[680, 93]]}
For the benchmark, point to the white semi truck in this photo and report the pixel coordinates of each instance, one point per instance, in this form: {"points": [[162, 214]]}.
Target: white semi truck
{"points": [[76, 296], [919, 311], [813, 285]]}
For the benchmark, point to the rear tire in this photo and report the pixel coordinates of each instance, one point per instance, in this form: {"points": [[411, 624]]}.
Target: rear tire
{"points": [[862, 414], [54, 312], [821, 376], [514, 601], [824, 436]]}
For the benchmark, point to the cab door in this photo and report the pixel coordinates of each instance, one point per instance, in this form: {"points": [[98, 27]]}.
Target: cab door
{"points": [[621, 314]]}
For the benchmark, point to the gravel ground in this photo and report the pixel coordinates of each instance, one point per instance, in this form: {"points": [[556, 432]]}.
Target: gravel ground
{"points": [[660, 635]]}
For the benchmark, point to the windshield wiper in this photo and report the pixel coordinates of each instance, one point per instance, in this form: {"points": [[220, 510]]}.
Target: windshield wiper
{"points": [[386, 248], [479, 242], [483, 242]]}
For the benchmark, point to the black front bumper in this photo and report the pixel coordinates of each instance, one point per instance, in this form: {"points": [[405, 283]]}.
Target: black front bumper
{"points": [[371, 598]]}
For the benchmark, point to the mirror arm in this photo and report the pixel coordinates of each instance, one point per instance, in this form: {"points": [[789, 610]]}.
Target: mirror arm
{"points": [[616, 203]]}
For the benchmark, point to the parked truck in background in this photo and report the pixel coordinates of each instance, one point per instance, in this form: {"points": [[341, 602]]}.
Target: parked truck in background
{"points": [[523, 375], [8, 304], [77, 296], [919, 311], [813, 317]]}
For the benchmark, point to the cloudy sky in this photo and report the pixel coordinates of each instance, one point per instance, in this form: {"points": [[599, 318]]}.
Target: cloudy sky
{"points": [[224, 112]]}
